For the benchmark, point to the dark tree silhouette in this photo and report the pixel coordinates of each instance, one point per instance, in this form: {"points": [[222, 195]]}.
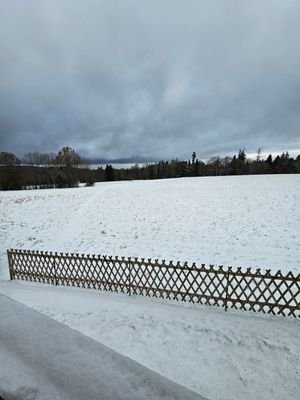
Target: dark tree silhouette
{"points": [[9, 159], [109, 173], [67, 157], [194, 157], [64, 171]]}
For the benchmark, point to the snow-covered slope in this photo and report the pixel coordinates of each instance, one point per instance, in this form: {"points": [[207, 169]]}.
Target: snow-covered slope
{"points": [[249, 221]]}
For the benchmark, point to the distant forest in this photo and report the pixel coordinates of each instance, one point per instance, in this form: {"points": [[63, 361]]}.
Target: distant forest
{"points": [[67, 169]]}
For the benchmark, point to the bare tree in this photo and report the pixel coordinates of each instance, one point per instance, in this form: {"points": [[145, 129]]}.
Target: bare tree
{"points": [[67, 157], [38, 159], [9, 159]]}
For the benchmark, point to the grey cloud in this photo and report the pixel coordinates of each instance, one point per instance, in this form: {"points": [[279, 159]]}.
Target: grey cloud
{"points": [[160, 78]]}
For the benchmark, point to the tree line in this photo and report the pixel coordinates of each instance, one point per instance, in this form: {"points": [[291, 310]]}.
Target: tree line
{"points": [[68, 169]]}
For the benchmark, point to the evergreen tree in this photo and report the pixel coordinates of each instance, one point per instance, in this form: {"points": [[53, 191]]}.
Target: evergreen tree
{"points": [[109, 173], [193, 157]]}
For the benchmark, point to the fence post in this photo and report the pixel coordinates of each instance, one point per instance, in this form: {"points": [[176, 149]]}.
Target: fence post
{"points": [[10, 265], [54, 268], [227, 287], [129, 276]]}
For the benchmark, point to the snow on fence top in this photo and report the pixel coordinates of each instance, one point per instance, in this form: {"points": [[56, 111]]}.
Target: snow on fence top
{"points": [[249, 290]]}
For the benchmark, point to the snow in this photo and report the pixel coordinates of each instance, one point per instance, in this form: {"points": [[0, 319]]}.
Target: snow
{"points": [[247, 221], [54, 362], [220, 355]]}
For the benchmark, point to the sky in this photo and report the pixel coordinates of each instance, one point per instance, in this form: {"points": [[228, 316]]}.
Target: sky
{"points": [[159, 78]]}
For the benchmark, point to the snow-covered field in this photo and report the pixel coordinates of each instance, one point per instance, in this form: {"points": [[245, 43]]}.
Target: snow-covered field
{"points": [[249, 221]]}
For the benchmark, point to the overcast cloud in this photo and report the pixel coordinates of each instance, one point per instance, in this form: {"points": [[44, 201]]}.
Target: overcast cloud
{"points": [[156, 78]]}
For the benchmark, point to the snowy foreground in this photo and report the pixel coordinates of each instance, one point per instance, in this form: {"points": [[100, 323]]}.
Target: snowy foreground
{"points": [[53, 361], [220, 355], [250, 221]]}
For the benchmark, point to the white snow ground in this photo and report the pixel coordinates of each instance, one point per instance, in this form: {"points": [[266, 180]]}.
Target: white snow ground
{"points": [[220, 355], [250, 221], [54, 362]]}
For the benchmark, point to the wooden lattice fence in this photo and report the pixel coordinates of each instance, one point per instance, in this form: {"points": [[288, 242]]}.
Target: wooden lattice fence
{"points": [[248, 289]]}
